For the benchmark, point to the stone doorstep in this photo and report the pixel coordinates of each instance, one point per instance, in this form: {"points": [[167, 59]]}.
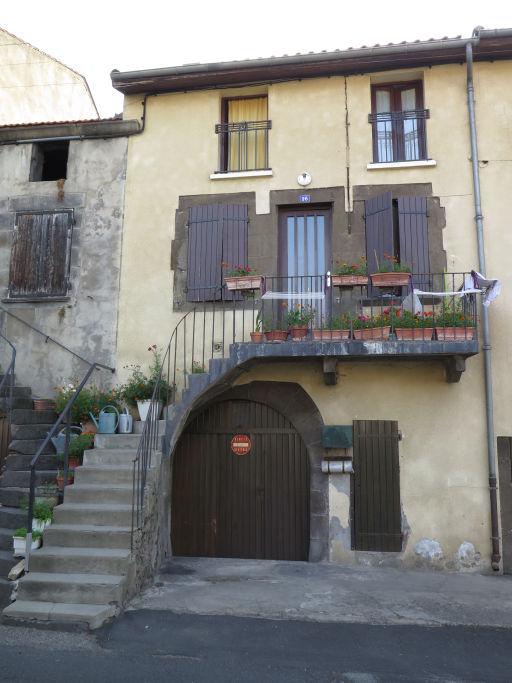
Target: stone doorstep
{"points": [[91, 616], [70, 560], [99, 493], [100, 515], [111, 456], [88, 536], [77, 588], [104, 474]]}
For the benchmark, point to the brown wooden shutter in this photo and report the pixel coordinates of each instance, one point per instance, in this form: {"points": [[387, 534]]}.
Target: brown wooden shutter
{"points": [[40, 255], [217, 233], [377, 516], [413, 235], [379, 229]]}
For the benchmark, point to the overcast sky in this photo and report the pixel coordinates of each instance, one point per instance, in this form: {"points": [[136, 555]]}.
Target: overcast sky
{"points": [[96, 36]]}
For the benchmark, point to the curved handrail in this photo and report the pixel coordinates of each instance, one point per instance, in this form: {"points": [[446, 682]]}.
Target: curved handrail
{"points": [[9, 375]]}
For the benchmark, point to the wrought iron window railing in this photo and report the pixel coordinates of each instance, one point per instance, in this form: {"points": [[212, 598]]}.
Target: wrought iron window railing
{"points": [[399, 136], [243, 146]]}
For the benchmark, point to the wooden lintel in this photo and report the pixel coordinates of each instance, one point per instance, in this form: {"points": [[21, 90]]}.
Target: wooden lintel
{"points": [[455, 366], [329, 368]]}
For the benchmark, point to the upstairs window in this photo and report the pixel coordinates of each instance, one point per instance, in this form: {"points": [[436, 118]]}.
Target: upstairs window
{"points": [[49, 161], [40, 255], [243, 134], [398, 122]]}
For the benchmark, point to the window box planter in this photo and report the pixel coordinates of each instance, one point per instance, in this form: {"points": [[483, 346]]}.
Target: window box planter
{"points": [[298, 332], [243, 282], [373, 333], [257, 337], [390, 279], [276, 335], [330, 335], [455, 333], [349, 281], [414, 333]]}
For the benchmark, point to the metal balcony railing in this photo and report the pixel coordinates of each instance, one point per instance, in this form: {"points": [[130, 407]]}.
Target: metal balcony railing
{"points": [[399, 136], [243, 146]]}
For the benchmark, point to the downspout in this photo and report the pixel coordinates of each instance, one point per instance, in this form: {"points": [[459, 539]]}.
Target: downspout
{"points": [[486, 333]]}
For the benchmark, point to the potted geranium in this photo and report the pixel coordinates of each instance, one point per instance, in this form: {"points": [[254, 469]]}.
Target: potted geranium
{"points": [[138, 389], [454, 324], [257, 336], [337, 329], [391, 273], [241, 277], [298, 319], [413, 326], [350, 274], [372, 327], [275, 331]]}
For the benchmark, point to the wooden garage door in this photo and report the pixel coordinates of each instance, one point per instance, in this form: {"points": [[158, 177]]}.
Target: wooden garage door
{"points": [[247, 506]]}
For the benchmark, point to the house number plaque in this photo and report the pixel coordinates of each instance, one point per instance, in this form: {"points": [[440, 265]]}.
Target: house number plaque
{"points": [[241, 444]]}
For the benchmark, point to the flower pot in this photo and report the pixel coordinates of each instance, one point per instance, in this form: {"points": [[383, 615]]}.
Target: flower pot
{"points": [[60, 480], [44, 404], [276, 335], [414, 333], [298, 332], [390, 279], [143, 407], [349, 280], [373, 333], [257, 337], [243, 282], [88, 427], [455, 333], [330, 335], [40, 524], [20, 543]]}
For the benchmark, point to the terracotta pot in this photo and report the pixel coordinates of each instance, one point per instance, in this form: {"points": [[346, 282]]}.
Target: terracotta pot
{"points": [[390, 279], [44, 404], [373, 333], [60, 480], [88, 427], [73, 462], [298, 332], [455, 333], [349, 280], [331, 335], [257, 337], [243, 282], [414, 333], [276, 335]]}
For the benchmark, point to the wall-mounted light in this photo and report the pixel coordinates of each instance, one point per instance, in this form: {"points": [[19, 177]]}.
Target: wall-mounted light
{"points": [[304, 179]]}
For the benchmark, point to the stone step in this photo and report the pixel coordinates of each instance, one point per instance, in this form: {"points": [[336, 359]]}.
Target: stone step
{"points": [[138, 426], [78, 588], [6, 539], [104, 474], [21, 479], [92, 616], [13, 496], [30, 431], [7, 562], [12, 518], [19, 462], [100, 515], [19, 392], [109, 456], [18, 402], [30, 447], [5, 592], [99, 493], [87, 536], [126, 441], [68, 560], [29, 416]]}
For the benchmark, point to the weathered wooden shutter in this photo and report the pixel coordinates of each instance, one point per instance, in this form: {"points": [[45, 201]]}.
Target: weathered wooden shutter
{"points": [[377, 517], [217, 233], [505, 487], [40, 255], [234, 237], [413, 236], [379, 229]]}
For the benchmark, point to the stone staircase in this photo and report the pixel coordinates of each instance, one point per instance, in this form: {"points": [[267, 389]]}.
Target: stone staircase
{"points": [[84, 571]]}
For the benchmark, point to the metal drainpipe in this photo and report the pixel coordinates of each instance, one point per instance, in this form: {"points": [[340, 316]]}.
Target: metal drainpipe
{"points": [[486, 346]]}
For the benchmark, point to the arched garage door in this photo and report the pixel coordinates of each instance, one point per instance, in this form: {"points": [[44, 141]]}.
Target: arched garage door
{"points": [[247, 506]]}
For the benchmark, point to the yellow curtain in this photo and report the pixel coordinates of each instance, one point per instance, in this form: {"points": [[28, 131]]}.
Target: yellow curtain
{"points": [[247, 147]]}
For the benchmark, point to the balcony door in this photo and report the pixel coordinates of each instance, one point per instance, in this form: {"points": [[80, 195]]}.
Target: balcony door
{"points": [[305, 254]]}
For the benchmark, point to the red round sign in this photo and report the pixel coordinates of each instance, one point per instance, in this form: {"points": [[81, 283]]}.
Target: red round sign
{"points": [[241, 444]]}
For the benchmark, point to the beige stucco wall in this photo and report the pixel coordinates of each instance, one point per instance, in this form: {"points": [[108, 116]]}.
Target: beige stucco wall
{"points": [[443, 455], [34, 87]]}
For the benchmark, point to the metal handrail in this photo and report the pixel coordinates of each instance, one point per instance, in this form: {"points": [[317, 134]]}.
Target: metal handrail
{"points": [[9, 375], [55, 341], [65, 415]]}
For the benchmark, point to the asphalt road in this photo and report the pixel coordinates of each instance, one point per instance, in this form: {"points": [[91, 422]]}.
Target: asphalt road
{"points": [[154, 646]]}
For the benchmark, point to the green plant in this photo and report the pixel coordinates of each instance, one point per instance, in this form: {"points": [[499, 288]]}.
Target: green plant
{"points": [[408, 319], [343, 268], [364, 322], [140, 387], [453, 316], [89, 400], [22, 533], [300, 316], [197, 367], [237, 271], [258, 322], [340, 322], [391, 264], [79, 444], [271, 324], [42, 511]]}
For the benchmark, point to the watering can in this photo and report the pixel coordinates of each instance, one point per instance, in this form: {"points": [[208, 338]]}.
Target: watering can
{"points": [[125, 422], [59, 441], [106, 422]]}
